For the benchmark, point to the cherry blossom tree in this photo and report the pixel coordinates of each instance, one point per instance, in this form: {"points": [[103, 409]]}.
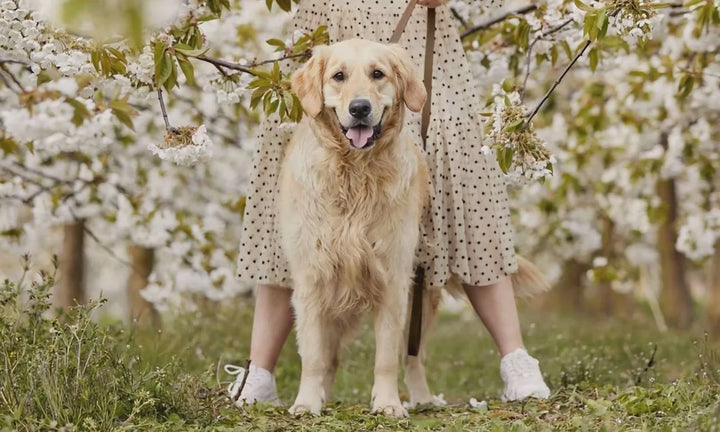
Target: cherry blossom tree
{"points": [[137, 130]]}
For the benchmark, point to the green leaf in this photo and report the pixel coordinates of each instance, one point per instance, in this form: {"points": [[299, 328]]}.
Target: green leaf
{"points": [[123, 112], [261, 73], [514, 125], [259, 82], [190, 52], [276, 43], [662, 5], [583, 7], [566, 47], [8, 146], [80, 111], [602, 24], [297, 112], [187, 69], [505, 158], [594, 57], [276, 76], [589, 28], [172, 79], [44, 76], [257, 96], [163, 69], [158, 51], [285, 5], [685, 86], [95, 58]]}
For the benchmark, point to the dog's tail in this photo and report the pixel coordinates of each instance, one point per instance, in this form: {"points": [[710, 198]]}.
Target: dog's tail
{"points": [[528, 280]]}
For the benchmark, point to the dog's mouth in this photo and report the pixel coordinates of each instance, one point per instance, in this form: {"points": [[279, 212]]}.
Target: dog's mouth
{"points": [[361, 135]]}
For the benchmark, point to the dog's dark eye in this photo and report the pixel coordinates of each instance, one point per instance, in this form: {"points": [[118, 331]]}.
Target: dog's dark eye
{"points": [[377, 74], [339, 76]]}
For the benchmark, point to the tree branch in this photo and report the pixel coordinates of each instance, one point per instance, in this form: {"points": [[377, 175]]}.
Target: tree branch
{"points": [[492, 22], [530, 48], [458, 17], [104, 246], [17, 82], [224, 63], [220, 63], [557, 82], [168, 128]]}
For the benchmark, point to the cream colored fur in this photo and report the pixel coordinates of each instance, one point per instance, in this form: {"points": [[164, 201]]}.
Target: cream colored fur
{"points": [[349, 221], [349, 217]]}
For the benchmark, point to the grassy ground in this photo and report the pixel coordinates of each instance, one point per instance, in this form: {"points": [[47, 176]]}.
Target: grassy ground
{"points": [[73, 374]]}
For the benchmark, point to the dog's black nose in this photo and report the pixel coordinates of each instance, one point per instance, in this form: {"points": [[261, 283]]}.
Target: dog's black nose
{"points": [[360, 108]]}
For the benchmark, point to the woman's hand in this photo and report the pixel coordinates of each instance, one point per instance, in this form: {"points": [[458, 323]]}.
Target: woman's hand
{"points": [[431, 3]]}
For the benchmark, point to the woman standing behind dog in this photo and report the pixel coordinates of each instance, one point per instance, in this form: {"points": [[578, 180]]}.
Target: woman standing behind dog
{"points": [[467, 232]]}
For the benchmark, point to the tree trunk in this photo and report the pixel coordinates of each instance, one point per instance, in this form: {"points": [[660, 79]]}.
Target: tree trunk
{"points": [[567, 294], [675, 298], [71, 290], [610, 302], [142, 312], [713, 298]]}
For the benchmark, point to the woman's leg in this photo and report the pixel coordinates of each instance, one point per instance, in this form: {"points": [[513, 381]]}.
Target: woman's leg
{"points": [[495, 305], [272, 322]]}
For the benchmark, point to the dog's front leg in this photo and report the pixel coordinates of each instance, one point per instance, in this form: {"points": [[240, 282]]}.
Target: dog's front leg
{"points": [[389, 323], [316, 346]]}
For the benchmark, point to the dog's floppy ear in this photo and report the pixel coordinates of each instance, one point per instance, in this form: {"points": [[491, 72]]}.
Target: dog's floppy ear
{"points": [[307, 82], [411, 85]]}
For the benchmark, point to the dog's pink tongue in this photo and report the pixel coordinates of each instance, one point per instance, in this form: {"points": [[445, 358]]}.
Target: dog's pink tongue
{"points": [[359, 135]]}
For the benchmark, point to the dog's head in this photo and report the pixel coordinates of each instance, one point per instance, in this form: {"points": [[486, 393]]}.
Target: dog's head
{"points": [[360, 84]]}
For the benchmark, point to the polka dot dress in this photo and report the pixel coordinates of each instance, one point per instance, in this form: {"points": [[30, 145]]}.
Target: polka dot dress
{"points": [[466, 230]]}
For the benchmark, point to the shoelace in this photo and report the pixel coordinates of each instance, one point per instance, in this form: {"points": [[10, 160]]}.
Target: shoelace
{"points": [[236, 370]]}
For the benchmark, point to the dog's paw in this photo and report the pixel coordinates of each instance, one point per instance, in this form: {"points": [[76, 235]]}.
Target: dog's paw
{"points": [[390, 410], [428, 400], [306, 407]]}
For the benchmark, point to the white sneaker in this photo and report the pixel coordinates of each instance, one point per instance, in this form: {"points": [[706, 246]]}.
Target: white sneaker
{"points": [[259, 385], [522, 377]]}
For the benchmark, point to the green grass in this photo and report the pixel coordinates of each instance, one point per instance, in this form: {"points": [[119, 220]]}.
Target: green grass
{"points": [[71, 373]]}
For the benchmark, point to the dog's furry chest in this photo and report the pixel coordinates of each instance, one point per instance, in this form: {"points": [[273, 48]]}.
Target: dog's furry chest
{"points": [[343, 225]]}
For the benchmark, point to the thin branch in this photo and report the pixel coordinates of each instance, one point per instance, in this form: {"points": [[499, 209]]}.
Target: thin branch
{"points": [[24, 63], [12, 76], [557, 82], [305, 53], [530, 48], [164, 111], [221, 70], [104, 246], [458, 17], [557, 28], [501, 18], [39, 173], [220, 63], [7, 83], [224, 63], [527, 68]]}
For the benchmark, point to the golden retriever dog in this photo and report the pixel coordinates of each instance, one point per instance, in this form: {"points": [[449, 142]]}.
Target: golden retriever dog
{"points": [[351, 195], [352, 191]]}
